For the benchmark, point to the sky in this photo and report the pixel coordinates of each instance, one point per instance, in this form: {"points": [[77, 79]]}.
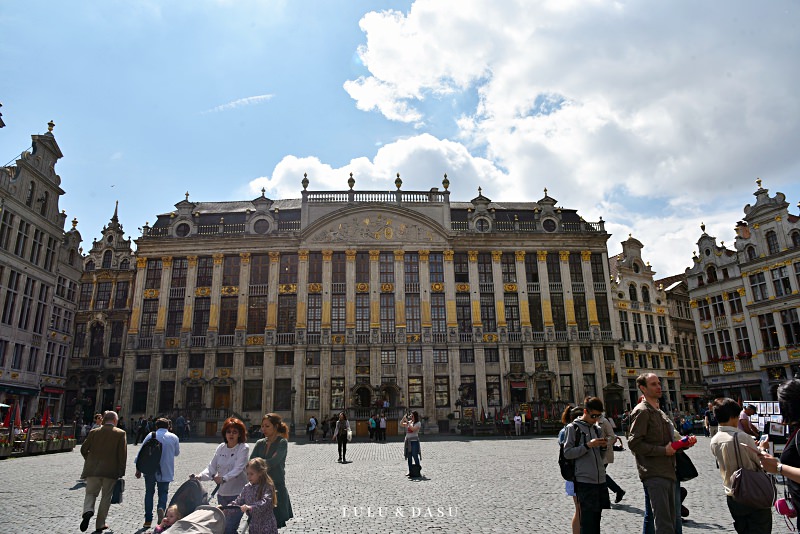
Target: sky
{"points": [[655, 116]]}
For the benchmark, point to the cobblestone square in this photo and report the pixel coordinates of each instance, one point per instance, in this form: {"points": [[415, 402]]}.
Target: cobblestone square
{"points": [[481, 485]]}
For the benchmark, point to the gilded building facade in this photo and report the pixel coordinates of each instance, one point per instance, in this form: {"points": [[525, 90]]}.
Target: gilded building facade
{"points": [[39, 272], [346, 300], [103, 312], [745, 301], [646, 334]]}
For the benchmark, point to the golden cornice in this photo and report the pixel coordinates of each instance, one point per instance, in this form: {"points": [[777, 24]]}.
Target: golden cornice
{"points": [[497, 255], [218, 259], [374, 255], [424, 255], [472, 255], [274, 257], [245, 256], [586, 255], [327, 255], [302, 255], [350, 254], [563, 255], [519, 255], [166, 261], [399, 255], [141, 262], [541, 255]]}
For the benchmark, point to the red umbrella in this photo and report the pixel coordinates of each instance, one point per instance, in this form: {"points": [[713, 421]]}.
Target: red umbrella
{"points": [[46, 416], [483, 415], [17, 418], [545, 416], [7, 420], [530, 414]]}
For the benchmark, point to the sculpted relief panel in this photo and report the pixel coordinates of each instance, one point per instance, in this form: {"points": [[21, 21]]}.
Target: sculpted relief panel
{"points": [[377, 227]]}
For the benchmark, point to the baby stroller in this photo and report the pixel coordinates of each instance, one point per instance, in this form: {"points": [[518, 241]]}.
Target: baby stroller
{"points": [[204, 520], [189, 496]]}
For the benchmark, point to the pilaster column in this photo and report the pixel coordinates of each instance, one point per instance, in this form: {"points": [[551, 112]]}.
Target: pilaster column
{"points": [[163, 295], [302, 288], [191, 286], [566, 284], [588, 284], [216, 293], [374, 289], [450, 289], [499, 290], [425, 291], [244, 291], [474, 289], [272, 302], [327, 278], [136, 312], [350, 277], [544, 286], [522, 290], [399, 290]]}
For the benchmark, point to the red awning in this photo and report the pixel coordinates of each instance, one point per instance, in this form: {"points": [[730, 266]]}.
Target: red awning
{"points": [[52, 390], [519, 385]]}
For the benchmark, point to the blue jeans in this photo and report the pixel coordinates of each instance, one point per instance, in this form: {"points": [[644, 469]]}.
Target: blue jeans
{"points": [[414, 453], [149, 489], [648, 526]]}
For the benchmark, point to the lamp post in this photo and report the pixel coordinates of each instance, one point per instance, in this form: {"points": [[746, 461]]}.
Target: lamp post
{"points": [[291, 414]]}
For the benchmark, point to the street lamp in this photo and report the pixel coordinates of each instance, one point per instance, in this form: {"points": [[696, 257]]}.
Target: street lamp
{"points": [[291, 414]]}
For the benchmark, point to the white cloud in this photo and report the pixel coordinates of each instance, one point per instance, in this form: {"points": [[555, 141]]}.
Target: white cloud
{"points": [[248, 101]]}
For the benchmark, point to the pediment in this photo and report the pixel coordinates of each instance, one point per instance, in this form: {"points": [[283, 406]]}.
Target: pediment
{"points": [[376, 225]]}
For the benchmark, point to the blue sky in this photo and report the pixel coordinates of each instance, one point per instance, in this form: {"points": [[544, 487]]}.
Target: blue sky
{"points": [[655, 117]]}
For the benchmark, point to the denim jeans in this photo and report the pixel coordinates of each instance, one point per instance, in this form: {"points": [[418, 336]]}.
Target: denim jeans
{"points": [[414, 453], [149, 489], [648, 526]]}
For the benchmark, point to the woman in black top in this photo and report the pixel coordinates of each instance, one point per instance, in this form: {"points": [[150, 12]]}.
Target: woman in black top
{"points": [[273, 448], [789, 463]]}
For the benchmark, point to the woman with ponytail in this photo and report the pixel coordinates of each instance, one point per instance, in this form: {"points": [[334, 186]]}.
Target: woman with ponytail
{"points": [[273, 448]]}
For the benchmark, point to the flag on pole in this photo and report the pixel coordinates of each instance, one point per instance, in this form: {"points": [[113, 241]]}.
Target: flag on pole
{"points": [[530, 414], [46, 416], [483, 415]]}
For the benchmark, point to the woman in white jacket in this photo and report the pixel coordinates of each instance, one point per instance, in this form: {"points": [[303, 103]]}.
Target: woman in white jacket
{"points": [[227, 468]]}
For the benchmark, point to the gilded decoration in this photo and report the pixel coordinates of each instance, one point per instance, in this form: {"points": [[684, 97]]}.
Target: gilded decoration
{"points": [[223, 372], [519, 255], [497, 255], [693, 303], [192, 261], [794, 354], [387, 288], [362, 287], [315, 288], [274, 257], [245, 258], [229, 291], [448, 255], [195, 373], [374, 255], [141, 263], [541, 255], [218, 258], [202, 292], [166, 261], [437, 287], [376, 226], [327, 255], [399, 255], [724, 296], [473, 255], [284, 289], [737, 319], [563, 255], [622, 305], [462, 288], [424, 255], [302, 255], [350, 254], [151, 293], [412, 338], [255, 340], [510, 288], [172, 342], [705, 326], [490, 338], [729, 367], [586, 255], [338, 339], [756, 226]]}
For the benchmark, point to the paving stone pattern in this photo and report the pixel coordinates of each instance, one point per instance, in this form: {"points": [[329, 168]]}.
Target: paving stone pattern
{"points": [[481, 485]]}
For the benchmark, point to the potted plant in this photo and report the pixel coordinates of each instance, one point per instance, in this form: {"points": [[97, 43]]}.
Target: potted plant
{"points": [[67, 444], [744, 355], [5, 448]]}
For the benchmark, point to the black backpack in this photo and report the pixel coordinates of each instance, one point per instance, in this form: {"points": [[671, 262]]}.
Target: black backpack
{"points": [[568, 466], [149, 460]]}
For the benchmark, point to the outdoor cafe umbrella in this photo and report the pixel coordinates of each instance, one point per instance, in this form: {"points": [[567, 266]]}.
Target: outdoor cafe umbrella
{"points": [[17, 418], [46, 416]]}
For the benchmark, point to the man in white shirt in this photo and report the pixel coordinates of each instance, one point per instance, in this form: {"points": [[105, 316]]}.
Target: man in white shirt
{"points": [[518, 424]]}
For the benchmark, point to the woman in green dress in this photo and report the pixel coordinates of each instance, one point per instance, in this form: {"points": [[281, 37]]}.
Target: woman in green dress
{"points": [[272, 448]]}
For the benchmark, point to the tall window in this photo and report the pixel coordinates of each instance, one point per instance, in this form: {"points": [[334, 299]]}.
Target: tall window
{"points": [[256, 315], [386, 267], [557, 306], [387, 313], [362, 313], [312, 393], [742, 340], [337, 393], [662, 330], [704, 309], [758, 285], [491, 355], [438, 314], [314, 314], [436, 266], [153, 275], [464, 313], [651, 328], [228, 312], [791, 327], [339, 268], [535, 309], [388, 357], [575, 268], [205, 271], [149, 315], [461, 267], [117, 333], [735, 302], [645, 294], [288, 269], [315, 268], [103, 296], [725, 345], [107, 257], [769, 334], [415, 397], [484, 268], [440, 356], [6, 228], [466, 355], [508, 267], [25, 308], [251, 395], [488, 312], [772, 242], [362, 267], [180, 268], [287, 314], [710, 341], [338, 313], [553, 268], [282, 397], [36, 246], [50, 254], [30, 194], [531, 268], [202, 310], [565, 383], [581, 311], [632, 293], [780, 281], [259, 269], [442, 391], [589, 385], [414, 356], [411, 269], [511, 305], [493, 390], [230, 270], [637, 327], [41, 309], [22, 238], [121, 296], [413, 318], [85, 299]]}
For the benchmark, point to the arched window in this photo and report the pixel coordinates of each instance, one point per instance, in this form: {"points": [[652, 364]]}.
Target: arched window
{"points": [[751, 252], [795, 239], [107, 259], [125, 264], [43, 199], [97, 341], [772, 242], [712, 273], [90, 265], [645, 294], [31, 194], [72, 257], [632, 292]]}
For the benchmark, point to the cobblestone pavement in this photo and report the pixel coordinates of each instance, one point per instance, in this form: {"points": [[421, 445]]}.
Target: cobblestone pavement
{"points": [[482, 485]]}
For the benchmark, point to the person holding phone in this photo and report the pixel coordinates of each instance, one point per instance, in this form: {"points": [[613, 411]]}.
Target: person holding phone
{"points": [[586, 445]]}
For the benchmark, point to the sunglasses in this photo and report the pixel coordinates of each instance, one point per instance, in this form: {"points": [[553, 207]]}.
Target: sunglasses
{"points": [[595, 415]]}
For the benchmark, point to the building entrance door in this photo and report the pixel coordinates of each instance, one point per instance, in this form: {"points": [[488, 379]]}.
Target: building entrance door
{"points": [[222, 397]]}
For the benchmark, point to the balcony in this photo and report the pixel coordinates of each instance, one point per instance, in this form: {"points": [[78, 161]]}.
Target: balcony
{"points": [[92, 362], [439, 337], [533, 287], [258, 290], [486, 287], [465, 337], [515, 337], [556, 287], [562, 335], [313, 339], [412, 288], [746, 365], [339, 288], [578, 287], [772, 356], [145, 342], [285, 338], [599, 287], [225, 341], [198, 341], [177, 292], [387, 337], [538, 336], [584, 335], [362, 338], [721, 321]]}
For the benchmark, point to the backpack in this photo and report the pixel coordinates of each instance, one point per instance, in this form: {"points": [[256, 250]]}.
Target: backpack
{"points": [[568, 466], [149, 460]]}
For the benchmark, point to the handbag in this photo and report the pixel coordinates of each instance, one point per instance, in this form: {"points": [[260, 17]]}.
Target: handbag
{"points": [[349, 435], [119, 489], [752, 488], [684, 468]]}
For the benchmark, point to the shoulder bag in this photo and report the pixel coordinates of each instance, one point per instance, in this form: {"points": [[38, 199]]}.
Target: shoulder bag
{"points": [[684, 468], [119, 489], [752, 488]]}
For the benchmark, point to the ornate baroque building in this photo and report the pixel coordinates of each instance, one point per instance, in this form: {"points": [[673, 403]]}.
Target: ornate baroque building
{"points": [[645, 330], [745, 301], [39, 272], [343, 299], [104, 307]]}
